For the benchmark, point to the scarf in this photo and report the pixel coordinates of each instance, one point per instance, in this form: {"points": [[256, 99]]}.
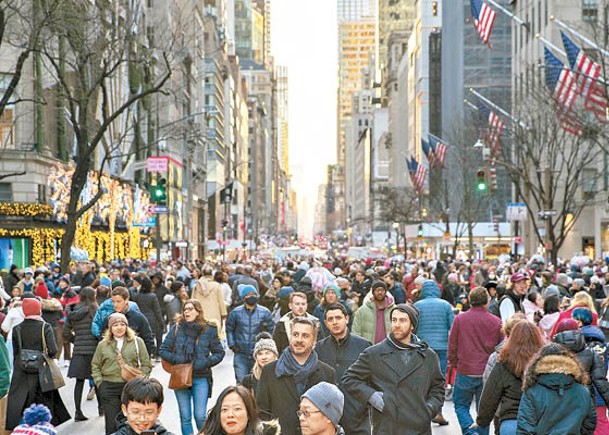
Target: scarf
{"points": [[35, 317], [191, 330], [288, 366]]}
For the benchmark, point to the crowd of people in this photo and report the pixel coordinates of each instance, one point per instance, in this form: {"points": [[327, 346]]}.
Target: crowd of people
{"points": [[318, 347]]}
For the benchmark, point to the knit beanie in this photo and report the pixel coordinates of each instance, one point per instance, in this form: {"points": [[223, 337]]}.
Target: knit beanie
{"points": [[245, 289], [332, 287], [41, 290], [377, 284], [117, 283], [117, 318], [31, 307], [36, 421], [413, 314], [567, 325], [328, 399], [105, 281], [264, 341], [65, 279]]}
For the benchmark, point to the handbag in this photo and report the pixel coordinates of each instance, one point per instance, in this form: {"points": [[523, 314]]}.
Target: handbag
{"points": [[50, 376], [30, 360], [180, 374], [129, 372]]}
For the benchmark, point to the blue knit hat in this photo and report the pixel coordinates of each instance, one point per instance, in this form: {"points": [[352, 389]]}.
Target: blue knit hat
{"points": [[328, 399], [333, 287], [244, 289], [105, 281]]}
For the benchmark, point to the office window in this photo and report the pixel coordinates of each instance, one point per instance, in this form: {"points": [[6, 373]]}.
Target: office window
{"points": [[590, 10], [6, 192]]}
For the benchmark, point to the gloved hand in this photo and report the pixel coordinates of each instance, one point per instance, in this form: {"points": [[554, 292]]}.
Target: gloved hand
{"points": [[376, 400]]}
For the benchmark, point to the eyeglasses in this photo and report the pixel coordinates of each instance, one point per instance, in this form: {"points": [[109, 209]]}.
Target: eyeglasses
{"points": [[305, 413], [147, 415], [189, 308]]}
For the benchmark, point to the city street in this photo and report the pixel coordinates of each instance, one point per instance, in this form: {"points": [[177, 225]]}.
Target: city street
{"points": [[223, 376]]}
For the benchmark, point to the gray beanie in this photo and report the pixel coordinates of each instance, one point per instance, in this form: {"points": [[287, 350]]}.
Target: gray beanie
{"points": [[328, 398], [413, 314], [551, 290], [265, 343]]}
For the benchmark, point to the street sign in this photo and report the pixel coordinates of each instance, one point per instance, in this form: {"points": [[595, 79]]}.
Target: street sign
{"points": [[157, 164], [516, 211], [151, 222], [158, 209]]}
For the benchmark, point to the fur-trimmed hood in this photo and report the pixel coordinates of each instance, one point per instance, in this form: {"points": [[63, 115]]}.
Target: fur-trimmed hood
{"points": [[51, 304], [556, 372], [271, 427]]}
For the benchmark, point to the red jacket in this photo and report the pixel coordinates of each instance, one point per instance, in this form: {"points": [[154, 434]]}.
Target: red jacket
{"points": [[568, 314], [473, 338]]}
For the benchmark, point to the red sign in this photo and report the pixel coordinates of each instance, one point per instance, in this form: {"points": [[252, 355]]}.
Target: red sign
{"points": [[157, 164]]}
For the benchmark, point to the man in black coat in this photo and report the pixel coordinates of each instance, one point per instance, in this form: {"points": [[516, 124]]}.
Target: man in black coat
{"points": [[400, 378], [340, 350], [284, 381]]}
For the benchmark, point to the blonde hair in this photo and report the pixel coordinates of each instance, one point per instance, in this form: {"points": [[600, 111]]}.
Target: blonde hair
{"points": [[582, 298], [129, 335]]}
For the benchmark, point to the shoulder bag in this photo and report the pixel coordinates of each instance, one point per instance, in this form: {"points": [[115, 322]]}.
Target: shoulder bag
{"points": [[129, 372], [30, 360], [49, 375], [180, 374]]}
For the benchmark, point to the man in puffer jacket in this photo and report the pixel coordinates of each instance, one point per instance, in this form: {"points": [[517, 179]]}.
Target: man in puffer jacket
{"points": [[435, 320], [572, 338], [103, 312]]}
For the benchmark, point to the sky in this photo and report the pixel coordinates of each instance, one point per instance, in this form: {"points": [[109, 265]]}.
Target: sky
{"points": [[303, 38]]}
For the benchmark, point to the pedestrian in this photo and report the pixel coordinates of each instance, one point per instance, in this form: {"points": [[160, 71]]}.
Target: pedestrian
{"points": [[34, 334], [503, 388], [270, 298], [436, 317], [372, 320], [555, 399], [14, 316], [106, 307], [473, 337], [395, 287], [399, 373], [222, 279], [141, 405], [340, 350], [330, 295], [265, 351], [284, 381], [298, 308], [209, 293], [511, 302], [244, 323], [193, 339], [551, 312], [175, 300], [149, 306], [68, 297], [580, 300], [236, 413], [36, 421], [321, 409], [119, 347], [5, 381], [77, 330]]}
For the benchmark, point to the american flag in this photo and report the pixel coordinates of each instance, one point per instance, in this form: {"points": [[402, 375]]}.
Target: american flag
{"points": [[429, 152], [586, 70], [560, 81], [484, 18], [438, 148], [495, 127], [417, 174]]}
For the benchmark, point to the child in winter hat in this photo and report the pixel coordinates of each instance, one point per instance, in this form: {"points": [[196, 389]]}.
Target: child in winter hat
{"points": [[36, 421]]}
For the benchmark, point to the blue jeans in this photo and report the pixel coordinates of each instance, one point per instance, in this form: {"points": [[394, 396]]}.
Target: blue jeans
{"points": [[465, 390], [193, 397], [508, 427], [243, 365], [442, 357]]}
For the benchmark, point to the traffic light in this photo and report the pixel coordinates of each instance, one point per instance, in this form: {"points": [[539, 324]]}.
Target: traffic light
{"points": [[481, 180], [224, 225], [420, 232], [159, 191]]}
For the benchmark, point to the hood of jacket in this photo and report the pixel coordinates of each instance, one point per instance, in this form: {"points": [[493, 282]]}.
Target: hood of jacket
{"points": [[556, 372], [573, 340], [593, 333], [51, 304], [430, 290]]}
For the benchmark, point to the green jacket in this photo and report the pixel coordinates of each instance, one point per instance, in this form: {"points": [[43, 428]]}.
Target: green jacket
{"points": [[364, 321], [105, 366], [5, 369]]}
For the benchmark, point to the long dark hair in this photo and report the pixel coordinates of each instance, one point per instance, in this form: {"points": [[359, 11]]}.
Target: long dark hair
{"points": [[213, 425], [88, 298]]}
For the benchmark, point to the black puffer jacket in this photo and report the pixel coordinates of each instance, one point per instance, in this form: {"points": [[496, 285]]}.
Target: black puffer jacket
{"points": [[590, 360], [77, 329], [149, 306]]}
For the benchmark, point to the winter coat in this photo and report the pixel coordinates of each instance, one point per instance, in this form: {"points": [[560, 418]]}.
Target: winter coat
{"points": [[283, 330], [417, 386], [279, 398], [209, 293], [502, 392], [5, 369], [52, 311], [13, 318], [340, 355], [103, 311], [319, 314], [25, 387], [243, 325], [150, 308], [364, 321], [398, 293], [546, 324], [473, 337], [568, 314], [105, 366], [179, 347], [125, 429], [173, 306], [139, 323], [436, 317], [595, 341], [77, 330], [589, 359], [554, 400]]}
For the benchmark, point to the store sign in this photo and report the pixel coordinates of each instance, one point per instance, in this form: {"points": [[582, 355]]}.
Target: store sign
{"points": [[157, 164]]}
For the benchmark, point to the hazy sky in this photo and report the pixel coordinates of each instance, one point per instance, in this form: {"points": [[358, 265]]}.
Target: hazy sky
{"points": [[303, 38]]}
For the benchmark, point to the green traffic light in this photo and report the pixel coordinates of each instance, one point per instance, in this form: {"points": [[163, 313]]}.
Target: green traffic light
{"points": [[481, 186]]}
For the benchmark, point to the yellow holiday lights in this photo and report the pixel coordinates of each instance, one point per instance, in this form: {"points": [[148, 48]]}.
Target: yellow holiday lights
{"points": [[25, 209]]}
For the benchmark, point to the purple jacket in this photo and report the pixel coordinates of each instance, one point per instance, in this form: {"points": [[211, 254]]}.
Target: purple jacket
{"points": [[473, 337]]}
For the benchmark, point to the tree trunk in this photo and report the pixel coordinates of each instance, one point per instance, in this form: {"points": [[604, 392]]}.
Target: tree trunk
{"points": [[67, 241]]}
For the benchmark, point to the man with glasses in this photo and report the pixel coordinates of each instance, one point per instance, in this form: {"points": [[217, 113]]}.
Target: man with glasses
{"points": [[321, 409], [284, 381]]}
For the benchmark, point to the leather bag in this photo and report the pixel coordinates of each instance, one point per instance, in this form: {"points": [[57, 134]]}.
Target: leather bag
{"points": [[31, 360], [129, 372], [50, 376], [180, 374]]}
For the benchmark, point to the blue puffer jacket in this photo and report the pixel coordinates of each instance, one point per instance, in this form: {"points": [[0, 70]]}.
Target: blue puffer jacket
{"points": [[435, 318], [243, 325], [179, 347], [104, 310]]}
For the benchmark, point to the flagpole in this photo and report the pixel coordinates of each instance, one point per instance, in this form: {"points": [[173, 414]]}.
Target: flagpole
{"points": [[579, 35], [510, 14], [499, 109], [470, 104], [549, 44]]}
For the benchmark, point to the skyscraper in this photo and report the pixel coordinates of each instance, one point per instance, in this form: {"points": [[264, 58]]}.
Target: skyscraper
{"points": [[350, 10]]}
